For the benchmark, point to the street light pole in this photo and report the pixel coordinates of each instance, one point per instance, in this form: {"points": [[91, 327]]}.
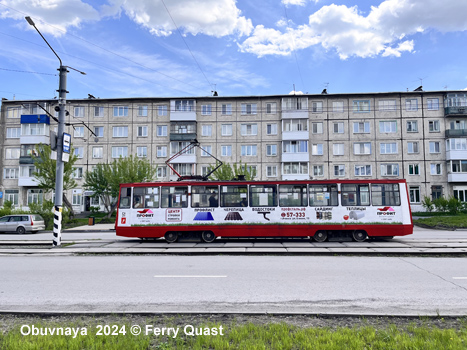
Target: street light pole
{"points": [[61, 129]]}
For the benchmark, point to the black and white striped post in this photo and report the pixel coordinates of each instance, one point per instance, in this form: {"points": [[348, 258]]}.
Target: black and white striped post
{"points": [[57, 226]]}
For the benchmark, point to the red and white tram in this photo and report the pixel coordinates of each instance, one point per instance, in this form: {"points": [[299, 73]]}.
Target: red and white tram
{"points": [[332, 209]]}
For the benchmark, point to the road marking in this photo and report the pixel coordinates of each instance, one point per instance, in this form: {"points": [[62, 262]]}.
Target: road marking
{"points": [[460, 278], [187, 276]]}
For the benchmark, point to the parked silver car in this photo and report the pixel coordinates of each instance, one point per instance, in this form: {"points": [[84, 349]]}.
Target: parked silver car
{"points": [[21, 223]]}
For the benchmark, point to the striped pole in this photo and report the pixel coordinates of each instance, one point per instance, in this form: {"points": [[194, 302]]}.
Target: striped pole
{"points": [[57, 226]]}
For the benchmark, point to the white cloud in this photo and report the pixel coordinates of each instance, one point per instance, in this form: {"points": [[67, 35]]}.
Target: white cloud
{"points": [[348, 32], [210, 17], [294, 2], [60, 14]]}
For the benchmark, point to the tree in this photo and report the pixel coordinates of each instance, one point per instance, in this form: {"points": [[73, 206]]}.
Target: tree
{"points": [[232, 171], [45, 173], [105, 179]]}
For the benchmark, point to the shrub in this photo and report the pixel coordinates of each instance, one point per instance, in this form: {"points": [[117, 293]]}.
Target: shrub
{"points": [[454, 205], [46, 210], [94, 210], [427, 204], [441, 204]]}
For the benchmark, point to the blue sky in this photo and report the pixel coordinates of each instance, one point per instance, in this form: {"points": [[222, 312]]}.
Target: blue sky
{"points": [[152, 48]]}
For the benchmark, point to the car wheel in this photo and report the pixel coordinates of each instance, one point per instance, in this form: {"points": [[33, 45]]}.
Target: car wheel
{"points": [[20, 230]]}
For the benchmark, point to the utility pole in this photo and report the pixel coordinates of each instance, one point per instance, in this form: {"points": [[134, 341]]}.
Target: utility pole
{"points": [[57, 240]]}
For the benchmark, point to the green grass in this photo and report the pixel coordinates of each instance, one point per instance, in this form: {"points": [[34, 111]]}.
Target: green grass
{"points": [[446, 221], [249, 336]]}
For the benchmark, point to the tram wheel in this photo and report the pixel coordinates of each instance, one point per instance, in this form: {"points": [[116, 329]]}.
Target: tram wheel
{"points": [[208, 236], [359, 235], [171, 237], [320, 236]]}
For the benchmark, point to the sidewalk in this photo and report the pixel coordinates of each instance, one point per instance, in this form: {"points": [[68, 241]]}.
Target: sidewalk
{"points": [[92, 228]]}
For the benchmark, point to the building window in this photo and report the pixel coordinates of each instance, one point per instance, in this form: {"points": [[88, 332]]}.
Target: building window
{"points": [[34, 129], [161, 151], [98, 152], [226, 109], [206, 130], [76, 198], [27, 171], [78, 131], [248, 108], [361, 106], [411, 104], [248, 150], [120, 131], [414, 169], [458, 125], [389, 169], [79, 152], [161, 172], [388, 126], [162, 130], [142, 151], [142, 111], [362, 170], [162, 110], [249, 129], [271, 129], [459, 166], [226, 129], [317, 149], [412, 147], [10, 173], [271, 150], [142, 131], [176, 147], [387, 105], [414, 194], [433, 126], [12, 153], [35, 196], [317, 107], [271, 171], [78, 112], [98, 112], [412, 126], [338, 106], [295, 125], [318, 170], [77, 172], [119, 151], [99, 131], [435, 169], [12, 196], [435, 147], [388, 148], [338, 127], [361, 127], [362, 148], [184, 105], [13, 112], [432, 104], [298, 168], [226, 150], [316, 128], [294, 103], [206, 151], [457, 144], [120, 111], [13, 133], [339, 170], [436, 192], [295, 146], [206, 109], [338, 149], [271, 108]]}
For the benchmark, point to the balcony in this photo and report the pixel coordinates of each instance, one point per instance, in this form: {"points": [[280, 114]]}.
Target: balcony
{"points": [[182, 131], [34, 139], [182, 110], [457, 177], [455, 111], [295, 135], [295, 114], [295, 157], [27, 181], [26, 160], [455, 133]]}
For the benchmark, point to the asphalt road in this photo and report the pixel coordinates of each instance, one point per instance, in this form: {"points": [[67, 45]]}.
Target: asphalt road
{"points": [[246, 284]]}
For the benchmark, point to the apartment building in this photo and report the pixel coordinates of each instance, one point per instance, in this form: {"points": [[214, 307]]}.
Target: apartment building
{"points": [[419, 136]]}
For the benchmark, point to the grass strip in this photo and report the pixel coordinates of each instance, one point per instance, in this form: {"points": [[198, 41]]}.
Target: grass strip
{"points": [[238, 336]]}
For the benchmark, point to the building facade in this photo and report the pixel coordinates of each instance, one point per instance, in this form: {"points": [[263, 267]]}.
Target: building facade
{"points": [[419, 136]]}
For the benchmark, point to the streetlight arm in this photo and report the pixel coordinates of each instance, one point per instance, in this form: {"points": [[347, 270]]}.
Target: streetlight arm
{"points": [[31, 22]]}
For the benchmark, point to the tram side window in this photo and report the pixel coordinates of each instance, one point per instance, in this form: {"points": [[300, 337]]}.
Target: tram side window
{"points": [[323, 195], [125, 198], [204, 196], [353, 194], [174, 197], [292, 196], [263, 195], [234, 196], [385, 194], [151, 197]]}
